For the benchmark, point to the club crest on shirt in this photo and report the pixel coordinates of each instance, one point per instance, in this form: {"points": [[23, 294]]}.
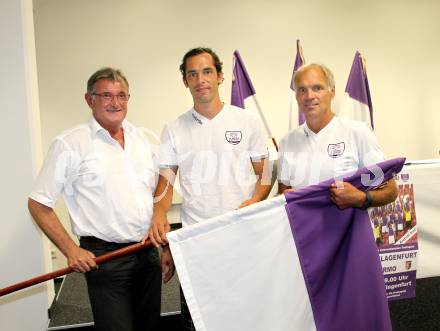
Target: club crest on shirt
{"points": [[233, 137], [336, 150], [404, 177]]}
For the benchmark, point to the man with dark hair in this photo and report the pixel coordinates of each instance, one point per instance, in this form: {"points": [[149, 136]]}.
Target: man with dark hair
{"points": [[219, 150], [105, 171], [328, 146], [197, 51]]}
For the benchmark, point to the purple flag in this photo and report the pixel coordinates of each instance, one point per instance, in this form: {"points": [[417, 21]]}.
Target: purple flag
{"points": [[358, 89], [342, 269], [241, 83], [299, 61], [293, 262], [242, 88]]}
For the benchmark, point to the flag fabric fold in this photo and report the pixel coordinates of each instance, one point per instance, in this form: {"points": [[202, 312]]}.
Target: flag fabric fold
{"points": [[299, 61], [358, 105], [242, 87], [294, 262]]}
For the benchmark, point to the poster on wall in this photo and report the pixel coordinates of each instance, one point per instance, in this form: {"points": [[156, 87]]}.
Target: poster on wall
{"points": [[395, 230]]}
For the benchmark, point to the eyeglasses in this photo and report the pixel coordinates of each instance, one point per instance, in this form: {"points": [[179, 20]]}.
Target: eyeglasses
{"points": [[108, 97]]}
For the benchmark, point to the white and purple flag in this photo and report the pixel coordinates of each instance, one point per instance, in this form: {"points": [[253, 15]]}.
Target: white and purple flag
{"points": [[294, 262], [242, 88], [293, 109], [357, 104]]}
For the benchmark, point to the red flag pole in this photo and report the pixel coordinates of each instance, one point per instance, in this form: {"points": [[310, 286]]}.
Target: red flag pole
{"points": [[61, 272]]}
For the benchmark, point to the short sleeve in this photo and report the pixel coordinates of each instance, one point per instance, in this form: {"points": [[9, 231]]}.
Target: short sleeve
{"points": [[56, 174], [258, 143], [283, 168], [167, 150], [369, 150]]}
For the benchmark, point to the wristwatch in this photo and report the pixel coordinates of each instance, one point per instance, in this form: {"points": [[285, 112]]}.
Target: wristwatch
{"points": [[368, 200]]}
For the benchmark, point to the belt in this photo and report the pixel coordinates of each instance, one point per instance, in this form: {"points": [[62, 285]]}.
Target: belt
{"points": [[94, 240]]}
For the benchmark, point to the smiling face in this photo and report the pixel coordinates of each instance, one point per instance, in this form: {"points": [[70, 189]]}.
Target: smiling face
{"points": [[313, 94], [108, 113], [202, 79]]}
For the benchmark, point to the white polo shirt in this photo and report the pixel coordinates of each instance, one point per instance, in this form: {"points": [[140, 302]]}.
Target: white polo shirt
{"points": [[214, 159], [108, 190], [344, 145]]}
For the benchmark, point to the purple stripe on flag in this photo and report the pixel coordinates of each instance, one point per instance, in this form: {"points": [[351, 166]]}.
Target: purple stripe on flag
{"points": [[342, 270], [357, 84], [241, 84], [299, 61]]}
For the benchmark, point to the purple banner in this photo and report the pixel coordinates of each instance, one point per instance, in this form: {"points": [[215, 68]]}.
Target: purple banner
{"points": [[395, 231]]}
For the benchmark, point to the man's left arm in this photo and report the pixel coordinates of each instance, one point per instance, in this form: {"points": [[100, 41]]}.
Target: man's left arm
{"points": [[345, 195], [263, 184]]}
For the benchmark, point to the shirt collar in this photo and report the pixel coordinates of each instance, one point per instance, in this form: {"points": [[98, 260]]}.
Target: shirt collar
{"points": [[309, 133], [96, 127], [200, 119]]}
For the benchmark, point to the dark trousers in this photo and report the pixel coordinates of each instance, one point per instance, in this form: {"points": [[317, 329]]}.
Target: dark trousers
{"points": [[187, 321], [124, 293]]}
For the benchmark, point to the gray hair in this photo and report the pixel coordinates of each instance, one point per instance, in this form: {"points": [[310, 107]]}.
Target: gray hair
{"points": [[326, 71], [108, 73]]}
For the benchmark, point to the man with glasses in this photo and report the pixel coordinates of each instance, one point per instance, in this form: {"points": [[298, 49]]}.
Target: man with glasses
{"points": [[328, 146], [219, 150], [105, 171]]}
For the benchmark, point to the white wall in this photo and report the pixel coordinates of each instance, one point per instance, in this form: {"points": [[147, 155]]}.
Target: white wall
{"points": [[21, 245], [147, 39]]}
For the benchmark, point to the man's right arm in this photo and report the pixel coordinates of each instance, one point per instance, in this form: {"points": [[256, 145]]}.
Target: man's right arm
{"points": [[78, 259], [163, 197]]}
